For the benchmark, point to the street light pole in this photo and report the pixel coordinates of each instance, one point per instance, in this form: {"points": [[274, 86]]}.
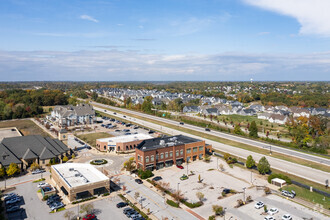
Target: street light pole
{"points": [[178, 187], [244, 194]]}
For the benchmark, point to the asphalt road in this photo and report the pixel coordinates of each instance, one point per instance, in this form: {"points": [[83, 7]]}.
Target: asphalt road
{"points": [[311, 174], [274, 148]]}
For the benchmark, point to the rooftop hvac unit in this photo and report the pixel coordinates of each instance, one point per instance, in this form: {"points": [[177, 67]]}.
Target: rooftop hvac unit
{"points": [[77, 175], [71, 169], [162, 142]]}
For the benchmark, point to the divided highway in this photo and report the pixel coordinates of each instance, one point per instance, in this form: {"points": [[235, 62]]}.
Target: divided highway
{"points": [[289, 167]]}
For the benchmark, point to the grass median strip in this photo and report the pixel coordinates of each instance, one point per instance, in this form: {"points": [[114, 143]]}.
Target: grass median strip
{"points": [[233, 143]]}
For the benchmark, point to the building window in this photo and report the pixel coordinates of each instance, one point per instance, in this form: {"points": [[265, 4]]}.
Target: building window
{"points": [[195, 149], [152, 158], [147, 159], [139, 158], [201, 148], [43, 161], [161, 156], [171, 153], [201, 156], [188, 159], [181, 152], [177, 153], [166, 154], [188, 150]]}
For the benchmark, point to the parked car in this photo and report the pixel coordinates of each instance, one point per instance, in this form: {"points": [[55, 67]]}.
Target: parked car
{"points": [[40, 185], [272, 211], [288, 194], [9, 196], [13, 200], [117, 130], [57, 205], [89, 217], [136, 127], [269, 218], [135, 216], [138, 181], [14, 208], [181, 123], [38, 171], [184, 177], [122, 204], [105, 110], [128, 133], [259, 205], [125, 210], [157, 178], [179, 166], [226, 191], [286, 217], [151, 132], [207, 129]]}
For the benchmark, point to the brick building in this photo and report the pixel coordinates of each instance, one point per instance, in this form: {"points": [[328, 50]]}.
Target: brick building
{"points": [[121, 143], [157, 153]]}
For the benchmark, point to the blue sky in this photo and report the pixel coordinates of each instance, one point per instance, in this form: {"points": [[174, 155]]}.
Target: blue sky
{"points": [[164, 40]]}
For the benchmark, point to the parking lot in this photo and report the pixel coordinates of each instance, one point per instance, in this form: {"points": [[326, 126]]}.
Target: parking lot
{"points": [[214, 181], [272, 201], [33, 208]]}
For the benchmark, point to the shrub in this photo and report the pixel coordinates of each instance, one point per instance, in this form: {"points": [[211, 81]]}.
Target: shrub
{"points": [[263, 166], [212, 217], [250, 163], [145, 174], [84, 200], [226, 156], [172, 203], [106, 194], [281, 176], [191, 205]]}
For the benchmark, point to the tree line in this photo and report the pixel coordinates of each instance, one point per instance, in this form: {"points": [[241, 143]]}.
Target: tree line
{"points": [[18, 103]]}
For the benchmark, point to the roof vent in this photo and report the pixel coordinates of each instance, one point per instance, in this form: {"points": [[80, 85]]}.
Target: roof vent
{"points": [[71, 169]]}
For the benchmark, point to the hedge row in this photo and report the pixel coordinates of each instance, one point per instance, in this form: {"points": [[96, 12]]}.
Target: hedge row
{"points": [[172, 203], [84, 200]]}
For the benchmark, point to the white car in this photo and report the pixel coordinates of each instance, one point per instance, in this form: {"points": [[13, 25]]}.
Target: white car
{"points": [[259, 205], [272, 211], [269, 218], [42, 185], [286, 217]]}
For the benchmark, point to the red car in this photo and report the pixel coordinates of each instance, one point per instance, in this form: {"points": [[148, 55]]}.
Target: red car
{"points": [[179, 166], [89, 217]]}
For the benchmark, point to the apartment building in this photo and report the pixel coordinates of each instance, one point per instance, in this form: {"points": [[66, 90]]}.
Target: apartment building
{"points": [[157, 153]]}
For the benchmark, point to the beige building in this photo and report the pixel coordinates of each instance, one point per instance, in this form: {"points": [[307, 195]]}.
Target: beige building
{"points": [[79, 180], [121, 143]]}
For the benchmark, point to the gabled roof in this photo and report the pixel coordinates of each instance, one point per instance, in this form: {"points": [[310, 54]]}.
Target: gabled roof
{"points": [[7, 157], [29, 155], [46, 154]]}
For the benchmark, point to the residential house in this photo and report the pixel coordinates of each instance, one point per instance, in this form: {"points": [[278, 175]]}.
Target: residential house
{"points": [[257, 108], [264, 115], [192, 108], [247, 112], [68, 115], [279, 119], [210, 111]]}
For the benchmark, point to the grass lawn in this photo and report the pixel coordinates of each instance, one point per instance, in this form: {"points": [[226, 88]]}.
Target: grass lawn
{"points": [[25, 126], [91, 138], [309, 196]]}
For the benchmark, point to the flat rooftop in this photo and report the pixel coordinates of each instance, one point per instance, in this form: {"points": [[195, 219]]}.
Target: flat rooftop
{"points": [[9, 132], [79, 174], [126, 138], [162, 142]]}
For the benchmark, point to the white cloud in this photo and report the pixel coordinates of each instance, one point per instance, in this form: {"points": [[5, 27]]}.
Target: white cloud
{"points": [[88, 18], [132, 65], [313, 15]]}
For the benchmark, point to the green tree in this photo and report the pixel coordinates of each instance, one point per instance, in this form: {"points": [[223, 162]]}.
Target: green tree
{"points": [[237, 130], [12, 169], [2, 172], [263, 166], [147, 105], [94, 96], [253, 130], [250, 163], [217, 209]]}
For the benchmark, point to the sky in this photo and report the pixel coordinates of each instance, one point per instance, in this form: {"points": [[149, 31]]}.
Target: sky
{"points": [[156, 40]]}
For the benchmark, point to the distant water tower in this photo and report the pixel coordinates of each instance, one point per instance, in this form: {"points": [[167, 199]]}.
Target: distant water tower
{"points": [[251, 80]]}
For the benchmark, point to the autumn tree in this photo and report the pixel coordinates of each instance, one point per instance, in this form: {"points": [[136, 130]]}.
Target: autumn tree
{"points": [[237, 130], [2, 172], [129, 165], [200, 196], [218, 210], [34, 166], [12, 169]]}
